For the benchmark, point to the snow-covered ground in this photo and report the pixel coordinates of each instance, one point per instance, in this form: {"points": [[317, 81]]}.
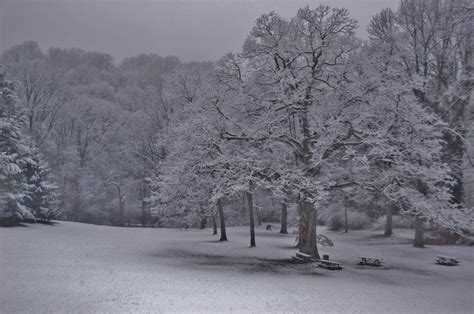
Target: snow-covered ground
{"points": [[79, 268]]}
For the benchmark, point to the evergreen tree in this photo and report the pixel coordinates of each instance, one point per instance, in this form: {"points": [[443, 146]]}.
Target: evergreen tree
{"points": [[25, 195], [14, 155], [41, 195]]}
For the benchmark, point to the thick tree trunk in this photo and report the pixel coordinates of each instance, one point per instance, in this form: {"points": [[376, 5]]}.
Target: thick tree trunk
{"points": [[389, 221], [249, 196], [214, 225], [222, 221], [419, 233], [284, 218], [307, 234]]}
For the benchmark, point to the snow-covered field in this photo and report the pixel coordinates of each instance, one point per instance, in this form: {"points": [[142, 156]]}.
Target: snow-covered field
{"points": [[79, 268]]}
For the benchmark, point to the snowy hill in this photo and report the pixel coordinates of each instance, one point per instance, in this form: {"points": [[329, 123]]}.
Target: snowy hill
{"points": [[74, 268]]}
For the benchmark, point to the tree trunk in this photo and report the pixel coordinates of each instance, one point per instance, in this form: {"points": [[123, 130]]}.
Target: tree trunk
{"points": [[389, 221], [419, 233], [252, 223], [214, 225], [284, 218], [346, 222], [222, 221], [307, 233], [300, 222]]}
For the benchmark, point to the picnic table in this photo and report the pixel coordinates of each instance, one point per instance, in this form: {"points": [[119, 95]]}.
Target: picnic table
{"points": [[329, 264], [446, 260], [302, 258], [370, 261]]}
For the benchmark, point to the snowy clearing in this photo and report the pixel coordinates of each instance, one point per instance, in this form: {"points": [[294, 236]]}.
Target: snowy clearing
{"points": [[79, 268]]}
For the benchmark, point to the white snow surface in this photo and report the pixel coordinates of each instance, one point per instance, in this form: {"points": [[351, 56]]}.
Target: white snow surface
{"points": [[80, 268]]}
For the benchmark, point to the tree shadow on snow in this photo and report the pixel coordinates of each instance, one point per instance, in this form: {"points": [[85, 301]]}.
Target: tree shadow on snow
{"points": [[13, 225], [8, 223], [211, 262]]}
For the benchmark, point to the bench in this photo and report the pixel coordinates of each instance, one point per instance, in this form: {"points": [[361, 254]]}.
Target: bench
{"points": [[370, 261], [302, 258], [446, 260], [329, 265]]}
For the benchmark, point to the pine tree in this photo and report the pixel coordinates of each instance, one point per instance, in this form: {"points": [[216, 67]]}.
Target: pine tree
{"points": [[14, 155], [25, 195], [41, 195]]}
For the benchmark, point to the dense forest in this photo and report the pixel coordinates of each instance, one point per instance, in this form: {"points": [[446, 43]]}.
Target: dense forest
{"points": [[306, 125]]}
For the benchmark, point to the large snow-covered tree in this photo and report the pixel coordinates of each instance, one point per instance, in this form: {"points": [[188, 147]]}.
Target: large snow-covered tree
{"points": [[421, 48], [434, 41], [290, 69], [399, 155]]}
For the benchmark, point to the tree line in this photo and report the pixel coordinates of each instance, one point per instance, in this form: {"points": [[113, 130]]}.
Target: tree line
{"points": [[306, 114]]}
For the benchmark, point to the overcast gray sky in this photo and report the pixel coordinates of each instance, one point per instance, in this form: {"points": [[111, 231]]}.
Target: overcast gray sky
{"points": [[189, 29]]}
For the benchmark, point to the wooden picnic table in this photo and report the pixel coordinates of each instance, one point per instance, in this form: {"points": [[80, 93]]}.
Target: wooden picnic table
{"points": [[370, 261], [302, 258], [446, 260], [329, 264]]}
